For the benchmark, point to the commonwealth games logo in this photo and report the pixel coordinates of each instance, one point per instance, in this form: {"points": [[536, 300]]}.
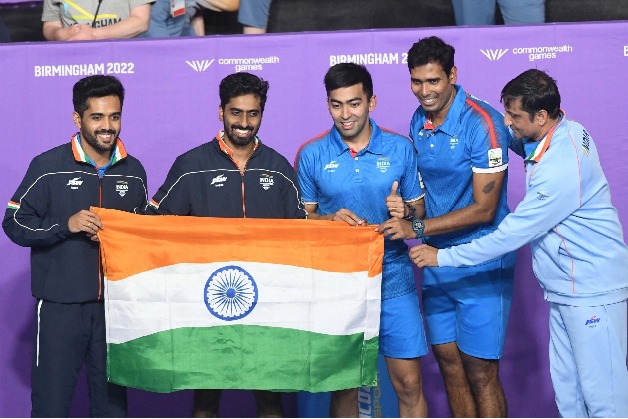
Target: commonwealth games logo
{"points": [[230, 293]]}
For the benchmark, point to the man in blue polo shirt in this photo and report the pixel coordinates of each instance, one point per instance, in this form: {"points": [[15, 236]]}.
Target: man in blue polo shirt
{"points": [[346, 175], [462, 147], [580, 258]]}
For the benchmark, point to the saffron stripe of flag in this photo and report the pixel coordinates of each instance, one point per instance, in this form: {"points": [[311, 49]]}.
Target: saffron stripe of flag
{"points": [[195, 302]]}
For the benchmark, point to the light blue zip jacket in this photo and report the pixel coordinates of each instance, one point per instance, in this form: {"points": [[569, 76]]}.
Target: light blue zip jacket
{"points": [[578, 252]]}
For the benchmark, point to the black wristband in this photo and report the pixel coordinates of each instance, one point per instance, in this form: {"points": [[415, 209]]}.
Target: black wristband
{"points": [[411, 212]]}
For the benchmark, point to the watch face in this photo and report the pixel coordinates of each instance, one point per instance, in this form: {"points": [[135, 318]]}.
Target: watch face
{"points": [[418, 226]]}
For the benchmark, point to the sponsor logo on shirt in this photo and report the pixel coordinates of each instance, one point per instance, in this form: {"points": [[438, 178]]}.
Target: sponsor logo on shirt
{"points": [[453, 142], [106, 22], [122, 187], [75, 183], [542, 195], [495, 157], [266, 181], [219, 180], [592, 322], [331, 166], [586, 141], [383, 164]]}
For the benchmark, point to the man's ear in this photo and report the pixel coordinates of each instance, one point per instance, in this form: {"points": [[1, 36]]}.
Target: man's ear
{"points": [[453, 76], [372, 103], [77, 120], [541, 117]]}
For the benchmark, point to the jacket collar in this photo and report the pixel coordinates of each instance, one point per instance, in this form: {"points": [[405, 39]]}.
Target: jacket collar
{"points": [[544, 144], [220, 137], [119, 152]]}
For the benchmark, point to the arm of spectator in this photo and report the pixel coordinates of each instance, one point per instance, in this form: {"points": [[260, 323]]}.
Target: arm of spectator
{"points": [[220, 5], [54, 31], [250, 30], [253, 15], [198, 24], [130, 27]]}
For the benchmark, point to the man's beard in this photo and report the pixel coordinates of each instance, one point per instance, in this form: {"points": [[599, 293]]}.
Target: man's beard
{"points": [[240, 141], [92, 139]]}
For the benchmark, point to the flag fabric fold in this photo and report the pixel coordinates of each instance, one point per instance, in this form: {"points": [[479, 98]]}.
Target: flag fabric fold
{"points": [[199, 302]]}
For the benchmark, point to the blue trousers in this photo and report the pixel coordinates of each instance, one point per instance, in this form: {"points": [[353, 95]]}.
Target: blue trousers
{"points": [[68, 336], [588, 360], [514, 12]]}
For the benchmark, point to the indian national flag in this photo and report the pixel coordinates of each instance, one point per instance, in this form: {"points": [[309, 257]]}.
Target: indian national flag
{"points": [[197, 302]]}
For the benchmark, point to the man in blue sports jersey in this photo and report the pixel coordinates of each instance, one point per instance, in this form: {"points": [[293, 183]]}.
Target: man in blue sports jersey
{"points": [[462, 147], [578, 250], [346, 175]]}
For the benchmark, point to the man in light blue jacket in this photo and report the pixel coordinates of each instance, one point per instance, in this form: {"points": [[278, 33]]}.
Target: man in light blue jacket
{"points": [[578, 251]]}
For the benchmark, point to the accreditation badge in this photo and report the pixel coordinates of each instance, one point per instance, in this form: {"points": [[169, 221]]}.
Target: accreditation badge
{"points": [[494, 157], [177, 7]]}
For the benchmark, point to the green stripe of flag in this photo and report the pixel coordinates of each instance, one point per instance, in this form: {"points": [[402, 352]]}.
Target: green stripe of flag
{"points": [[244, 357]]}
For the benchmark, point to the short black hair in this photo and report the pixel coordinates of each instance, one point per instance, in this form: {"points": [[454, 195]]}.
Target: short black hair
{"points": [[95, 86], [432, 50], [347, 75], [239, 84], [537, 91]]}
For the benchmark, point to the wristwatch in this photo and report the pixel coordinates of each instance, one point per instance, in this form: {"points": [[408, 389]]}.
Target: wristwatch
{"points": [[418, 226]]}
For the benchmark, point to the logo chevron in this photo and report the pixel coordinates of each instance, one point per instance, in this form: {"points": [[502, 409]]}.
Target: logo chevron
{"points": [[494, 54], [200, 65]]}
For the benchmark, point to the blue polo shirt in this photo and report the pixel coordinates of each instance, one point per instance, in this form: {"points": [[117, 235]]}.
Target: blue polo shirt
{"points": [[472, 139], [329, 177]]}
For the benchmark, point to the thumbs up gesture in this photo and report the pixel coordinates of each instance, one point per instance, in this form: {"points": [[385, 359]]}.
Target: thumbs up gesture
{"points": [[394, 202]]}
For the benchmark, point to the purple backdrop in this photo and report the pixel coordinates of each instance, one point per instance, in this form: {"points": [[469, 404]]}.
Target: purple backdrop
{"points": [[172, 105]]}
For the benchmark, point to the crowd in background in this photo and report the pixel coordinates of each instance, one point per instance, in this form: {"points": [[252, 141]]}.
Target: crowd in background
{"points": [[165, 18]]}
